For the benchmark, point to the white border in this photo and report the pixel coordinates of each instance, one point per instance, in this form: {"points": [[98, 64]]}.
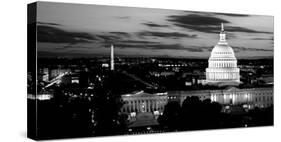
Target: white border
{"points": [[13, 69]]}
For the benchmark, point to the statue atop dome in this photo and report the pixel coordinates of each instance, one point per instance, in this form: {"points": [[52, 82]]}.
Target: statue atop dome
{"points": [[222, 29], [222, 34]]}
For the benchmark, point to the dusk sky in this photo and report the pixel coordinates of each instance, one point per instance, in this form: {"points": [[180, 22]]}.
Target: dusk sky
{"points": [[75, 30]]}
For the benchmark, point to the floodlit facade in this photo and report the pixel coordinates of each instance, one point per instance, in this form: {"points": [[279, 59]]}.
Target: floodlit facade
{"points": [[222, 69], [231, 96], [249, 98], [144, 102]]}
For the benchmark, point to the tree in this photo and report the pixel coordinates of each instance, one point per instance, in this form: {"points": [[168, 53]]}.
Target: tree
{"points": [[197, 114], [194, 114], [106, 106], [170, 117]]}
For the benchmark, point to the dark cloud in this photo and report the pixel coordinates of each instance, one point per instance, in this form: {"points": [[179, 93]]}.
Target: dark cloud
{"points": [[56, 35], [245, 30], [196, 20], [108, 38], [138, 42], [206, 29], [207, 23], [134, 43], [150, 24], [131, 45], [166, 34], [48, 23], [262, 38], [121, 34], [167, 46], [113, 36], [241, 49], [232, 14], [215, 13]]}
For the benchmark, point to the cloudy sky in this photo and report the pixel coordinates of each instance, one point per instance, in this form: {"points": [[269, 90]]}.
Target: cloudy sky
{"points": [[73, 30]]}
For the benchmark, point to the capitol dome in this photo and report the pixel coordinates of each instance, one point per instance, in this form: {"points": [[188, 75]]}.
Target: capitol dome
{"points": [[222, 69], [222, 51]]}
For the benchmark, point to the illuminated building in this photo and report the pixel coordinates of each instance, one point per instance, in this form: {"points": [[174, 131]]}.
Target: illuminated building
{"points": [[140, 101], [46, 74], [53, 73], [222, 70], [249, 98]]}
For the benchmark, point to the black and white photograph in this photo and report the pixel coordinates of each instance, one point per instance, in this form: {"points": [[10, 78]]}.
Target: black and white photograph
{"points": [[97, 70]]}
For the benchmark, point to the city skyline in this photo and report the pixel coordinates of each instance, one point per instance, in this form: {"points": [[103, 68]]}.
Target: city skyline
{"points": [[70, 30], [105, 71]]}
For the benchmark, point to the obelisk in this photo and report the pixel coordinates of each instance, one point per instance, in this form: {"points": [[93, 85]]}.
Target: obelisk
{"points": [[112, 58]]}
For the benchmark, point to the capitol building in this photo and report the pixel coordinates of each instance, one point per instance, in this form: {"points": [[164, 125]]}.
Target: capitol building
{"points": [[222, 69], [144, 108]]}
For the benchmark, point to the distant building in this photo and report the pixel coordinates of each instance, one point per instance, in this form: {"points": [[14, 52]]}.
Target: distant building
{"points": [[222, 70], [249, 98], [46, 74], [53, 73]]}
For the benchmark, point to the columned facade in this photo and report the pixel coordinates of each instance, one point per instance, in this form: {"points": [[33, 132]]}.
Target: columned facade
{"points": [[250, 98], [144, 102]]}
